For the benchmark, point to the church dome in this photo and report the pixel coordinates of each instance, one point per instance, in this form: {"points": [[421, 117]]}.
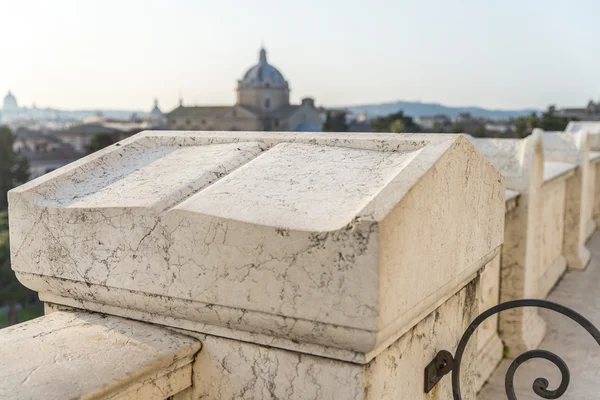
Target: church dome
{"points": [[263, 73], [10, 102], [156, 112]]}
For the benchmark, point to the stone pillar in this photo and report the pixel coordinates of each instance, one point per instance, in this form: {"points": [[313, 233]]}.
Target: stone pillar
{"points": [[573, 148], [593, 130], [309, 265], [521, 161]]}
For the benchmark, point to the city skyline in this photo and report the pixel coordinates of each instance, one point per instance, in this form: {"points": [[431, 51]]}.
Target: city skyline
{"points": [[97, 55]]}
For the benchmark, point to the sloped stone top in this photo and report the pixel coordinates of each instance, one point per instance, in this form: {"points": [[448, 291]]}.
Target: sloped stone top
{"points": [[570, 147], [345, 177], [553, 170]]}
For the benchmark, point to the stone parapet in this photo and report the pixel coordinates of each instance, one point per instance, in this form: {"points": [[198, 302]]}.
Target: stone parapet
{"points": [[573, 148], [316, 263], [521, 161]]}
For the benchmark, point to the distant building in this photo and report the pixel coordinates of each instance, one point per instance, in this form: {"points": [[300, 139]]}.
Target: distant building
{"points": [[591, 112], [503, 127], [80, 136], [44, 152], [157, 117], [263, 104], [10, 103], [434, 121]]}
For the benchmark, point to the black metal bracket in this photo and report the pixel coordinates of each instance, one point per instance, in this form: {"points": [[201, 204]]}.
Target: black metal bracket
{"points": [[441, 365], [444, 362]]}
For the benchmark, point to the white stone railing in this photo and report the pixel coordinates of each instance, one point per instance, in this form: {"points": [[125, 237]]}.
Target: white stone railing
{"points": [[222, 265]]}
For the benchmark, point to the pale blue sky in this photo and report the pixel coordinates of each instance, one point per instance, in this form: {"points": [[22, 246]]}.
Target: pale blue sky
{"points": [[123, 53]]}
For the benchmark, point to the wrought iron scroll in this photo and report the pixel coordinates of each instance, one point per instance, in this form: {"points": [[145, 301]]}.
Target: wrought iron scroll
{"points": [[444, 363]]}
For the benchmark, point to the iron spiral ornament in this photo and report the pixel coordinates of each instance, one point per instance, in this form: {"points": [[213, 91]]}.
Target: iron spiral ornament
{"points": [[444, 363]]}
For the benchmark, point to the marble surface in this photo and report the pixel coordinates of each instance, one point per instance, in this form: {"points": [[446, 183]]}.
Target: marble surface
{"points": [[231, 370], [72, 355], [553, 170], [552, 256], [489, 345], [317, 239]]}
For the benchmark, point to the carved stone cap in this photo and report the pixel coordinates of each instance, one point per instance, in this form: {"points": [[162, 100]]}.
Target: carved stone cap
{"points": [[565, 146], [516, 159], [343, 241]]}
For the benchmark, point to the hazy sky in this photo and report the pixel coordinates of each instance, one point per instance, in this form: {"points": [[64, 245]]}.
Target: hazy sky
{"points": [[122, 54]]}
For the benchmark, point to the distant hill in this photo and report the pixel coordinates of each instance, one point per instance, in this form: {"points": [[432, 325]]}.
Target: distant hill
{"points": [[417, 109]]}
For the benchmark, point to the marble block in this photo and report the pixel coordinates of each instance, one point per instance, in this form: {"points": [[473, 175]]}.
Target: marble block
{"points": [[573, 148], [521, 161], [328, 244], [80, 355], [226, 369]]}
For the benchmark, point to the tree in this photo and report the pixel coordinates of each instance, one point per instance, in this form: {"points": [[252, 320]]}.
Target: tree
{"points": [[14, 170], [100, 141], [335, 122], [398, 126], [11, 290], [384, 124], [548, 121], [437, 127], [457, 128], [552, 122], [14, 167]]}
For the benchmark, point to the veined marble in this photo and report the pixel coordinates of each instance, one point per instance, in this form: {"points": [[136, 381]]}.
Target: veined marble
{"points": [[317, 241], [232, 370]]}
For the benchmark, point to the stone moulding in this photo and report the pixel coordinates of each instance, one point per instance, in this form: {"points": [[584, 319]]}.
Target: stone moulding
{"points": [[321, 240]]}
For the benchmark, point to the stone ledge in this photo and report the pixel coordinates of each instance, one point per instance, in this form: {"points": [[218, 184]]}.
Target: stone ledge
{"points": [[71, 355]]}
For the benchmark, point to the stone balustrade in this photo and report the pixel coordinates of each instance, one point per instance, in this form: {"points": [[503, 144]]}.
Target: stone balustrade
{"points": [[573, 148], [222, 265], [522, 163]]}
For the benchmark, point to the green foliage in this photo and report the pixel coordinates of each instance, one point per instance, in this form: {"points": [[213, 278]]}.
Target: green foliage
{"points": [[14, 167], [397, 122], [100, 141], [437, 127], [11, 290], [25, 314], [548, 121], [335, 122], [457, 128]]}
